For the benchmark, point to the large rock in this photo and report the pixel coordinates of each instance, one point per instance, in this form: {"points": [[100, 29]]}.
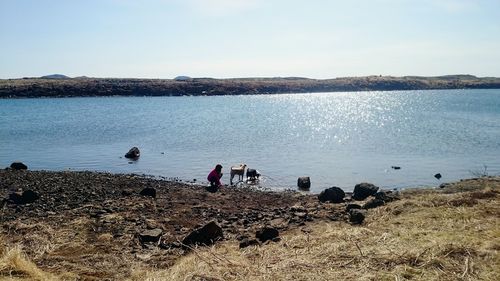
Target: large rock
{"points": [[148, 191], [363, 190], [28, 196], [333, 194], [373, 203], [133, 153], [352, 206], [150, 235], [18, 166], [386, 196], [356, 216], [206, 235], [304, 182], [267, 233]]}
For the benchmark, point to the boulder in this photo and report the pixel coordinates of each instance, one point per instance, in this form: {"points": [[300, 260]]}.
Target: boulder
{"points": [[356, 216], [304, 182], [29, 196], [133, 153], [373, 203], [18, 166], [148, 191], [150, 235], [363, 190], [386, 196], [333, 194], [352, 206], [267, 233], [206, 235], [26, 197]]}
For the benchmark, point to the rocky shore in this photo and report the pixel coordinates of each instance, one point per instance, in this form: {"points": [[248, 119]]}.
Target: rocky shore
{"points": [[130, 216], [96, 225]]}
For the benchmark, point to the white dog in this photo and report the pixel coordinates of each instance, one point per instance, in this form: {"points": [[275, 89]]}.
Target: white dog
{"points": [[237, 170]]}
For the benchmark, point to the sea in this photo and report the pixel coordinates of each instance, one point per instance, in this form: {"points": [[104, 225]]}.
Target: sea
{"points": [[337, 139]]}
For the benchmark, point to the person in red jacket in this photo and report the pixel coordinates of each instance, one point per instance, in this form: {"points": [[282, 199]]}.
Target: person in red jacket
{"points": [[214, 178]]}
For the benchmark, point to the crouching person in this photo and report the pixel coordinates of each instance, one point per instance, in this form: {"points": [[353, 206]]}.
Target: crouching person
{"points": [[214, 178]]}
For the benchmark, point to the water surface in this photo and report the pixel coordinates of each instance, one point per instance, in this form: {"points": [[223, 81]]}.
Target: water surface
{"points": [[335, 138]]}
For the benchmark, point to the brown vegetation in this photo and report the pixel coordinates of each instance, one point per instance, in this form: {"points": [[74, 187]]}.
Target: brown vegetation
{"points": [[430, 234]]}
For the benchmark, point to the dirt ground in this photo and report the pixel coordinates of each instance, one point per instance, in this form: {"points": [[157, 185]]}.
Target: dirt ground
{"points": [[89, 223]]}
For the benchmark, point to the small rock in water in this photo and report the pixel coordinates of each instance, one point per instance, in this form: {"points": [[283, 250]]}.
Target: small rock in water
{"points": [[304, 182], [396, 167], [133, 153], [438, 176]]}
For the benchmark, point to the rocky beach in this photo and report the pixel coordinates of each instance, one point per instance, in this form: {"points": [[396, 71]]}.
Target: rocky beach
{"points": [[101, 226]]}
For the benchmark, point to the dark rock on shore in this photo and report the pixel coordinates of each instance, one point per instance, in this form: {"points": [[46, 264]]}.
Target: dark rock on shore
{"points": [[333, 194], [356, 216], [363, 190], [267, 233], [352, 206], [373, 203], [386, 196], [148, 191], [150, 235], [18, 166], [207, 235], [28, 196]]}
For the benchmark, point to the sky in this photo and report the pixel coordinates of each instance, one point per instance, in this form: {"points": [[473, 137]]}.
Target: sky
{"points": [[249, 38]]}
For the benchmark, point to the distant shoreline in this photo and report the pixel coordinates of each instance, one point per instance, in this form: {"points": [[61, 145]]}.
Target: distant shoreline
{"points": [[94, 87]]}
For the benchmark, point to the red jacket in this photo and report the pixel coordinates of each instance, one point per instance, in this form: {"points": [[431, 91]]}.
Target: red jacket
{"points": [[214, 177]]}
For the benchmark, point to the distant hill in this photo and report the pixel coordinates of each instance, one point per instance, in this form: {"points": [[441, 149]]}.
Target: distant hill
{"points": [[55, 76], [60, 86]]}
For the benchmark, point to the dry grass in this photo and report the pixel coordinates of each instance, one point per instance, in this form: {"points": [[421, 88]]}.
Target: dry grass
{"points": [[428, 235], [15, 266]]}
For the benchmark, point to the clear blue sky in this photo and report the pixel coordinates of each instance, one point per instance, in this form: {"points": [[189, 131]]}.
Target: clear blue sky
{"points": [[249, 38]]}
